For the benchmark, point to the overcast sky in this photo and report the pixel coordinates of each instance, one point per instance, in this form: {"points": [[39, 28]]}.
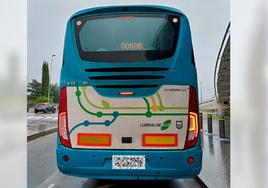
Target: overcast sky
{"points": [[47, 20]]}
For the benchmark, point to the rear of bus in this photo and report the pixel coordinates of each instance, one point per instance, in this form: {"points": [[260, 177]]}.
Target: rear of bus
{"points": [[129, 101]]}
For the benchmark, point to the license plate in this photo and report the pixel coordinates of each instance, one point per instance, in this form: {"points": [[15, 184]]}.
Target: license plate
{"points": [[128, 162]]}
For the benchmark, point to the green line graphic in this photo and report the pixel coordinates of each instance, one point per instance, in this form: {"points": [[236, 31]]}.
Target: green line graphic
{"points": [[147, 114], [116, 114], [154, 106], [106, 105], [161, 107], [147, 104]]}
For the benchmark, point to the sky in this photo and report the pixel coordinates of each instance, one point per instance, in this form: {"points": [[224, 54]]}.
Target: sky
{"points": [[47, 20]]}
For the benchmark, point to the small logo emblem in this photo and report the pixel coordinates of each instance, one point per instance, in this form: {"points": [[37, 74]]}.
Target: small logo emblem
{"points": [[179, 124], [165, 125]]}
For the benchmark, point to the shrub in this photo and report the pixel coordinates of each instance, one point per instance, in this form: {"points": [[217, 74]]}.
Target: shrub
{"points": [[43, 99]]}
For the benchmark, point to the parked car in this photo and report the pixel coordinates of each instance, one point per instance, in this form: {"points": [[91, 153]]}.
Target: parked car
{"points": [[44, 107]]}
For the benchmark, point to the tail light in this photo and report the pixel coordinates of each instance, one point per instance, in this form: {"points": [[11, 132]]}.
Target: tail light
{"points": [[63, 120], [193, 129]]}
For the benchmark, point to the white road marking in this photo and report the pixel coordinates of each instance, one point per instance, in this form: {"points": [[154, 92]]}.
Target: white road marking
{"points": [[51, 185], [49, 179], [38, 117], [46, 118], [51, 117]]}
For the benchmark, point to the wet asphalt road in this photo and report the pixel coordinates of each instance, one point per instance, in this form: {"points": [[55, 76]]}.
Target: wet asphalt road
{"points": [[43, 172], [40, 122]]}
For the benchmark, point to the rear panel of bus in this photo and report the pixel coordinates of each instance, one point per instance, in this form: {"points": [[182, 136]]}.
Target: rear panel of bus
{"points": [[154, 122], [134, 86]]}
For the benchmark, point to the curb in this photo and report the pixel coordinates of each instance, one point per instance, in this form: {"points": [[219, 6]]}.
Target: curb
{"points": [[200, 182], [38, 135]]}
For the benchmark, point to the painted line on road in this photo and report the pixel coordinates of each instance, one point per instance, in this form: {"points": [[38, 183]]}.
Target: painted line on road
{"points": [[51, 118], [35, 118], [51, 185], [47, 118], [48, 180]]}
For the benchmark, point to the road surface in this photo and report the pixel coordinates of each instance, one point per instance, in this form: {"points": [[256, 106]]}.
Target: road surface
{"points": [[40, 122], [43, 172]]}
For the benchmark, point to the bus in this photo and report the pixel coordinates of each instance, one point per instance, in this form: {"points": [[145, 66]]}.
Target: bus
{"points": [[129, 97]]}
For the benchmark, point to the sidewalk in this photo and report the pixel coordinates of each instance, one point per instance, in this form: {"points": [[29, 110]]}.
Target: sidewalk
{"points": [[216, 157]]}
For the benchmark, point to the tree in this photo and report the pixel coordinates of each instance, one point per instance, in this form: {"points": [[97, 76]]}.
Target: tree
{"points": [[43, 99], [54, 92], [34, 89], [33, 92], [45, 79]]}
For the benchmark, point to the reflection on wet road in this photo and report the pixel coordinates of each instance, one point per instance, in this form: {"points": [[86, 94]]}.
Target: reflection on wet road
{"points": [[40, 122], [216, 158], [43, 172]]}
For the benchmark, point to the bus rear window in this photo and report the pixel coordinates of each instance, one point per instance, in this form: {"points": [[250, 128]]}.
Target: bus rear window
{"points": [[127, 38]]}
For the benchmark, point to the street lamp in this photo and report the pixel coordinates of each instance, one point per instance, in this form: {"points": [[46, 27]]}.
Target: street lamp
{"points": [[49, 79]]}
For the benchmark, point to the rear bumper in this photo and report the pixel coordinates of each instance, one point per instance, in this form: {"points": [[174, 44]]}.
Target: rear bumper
{"points": [[97, 164]]}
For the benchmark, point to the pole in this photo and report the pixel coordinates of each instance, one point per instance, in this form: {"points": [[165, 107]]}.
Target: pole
{"points": [[222, 127], [201, 91], [209, 123], [49, 78], [201, 120]]}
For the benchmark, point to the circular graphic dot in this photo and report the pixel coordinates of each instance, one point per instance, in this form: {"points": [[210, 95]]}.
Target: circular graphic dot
{"points": [[86, 123], [115, 114], [84, 88], [99, 114], [78, 93], [154, 108], [161, 108], [107, 123], [148, 114]]}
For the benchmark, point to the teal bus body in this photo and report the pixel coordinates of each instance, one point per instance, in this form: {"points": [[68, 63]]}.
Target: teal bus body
{"points": [[179, 69]]}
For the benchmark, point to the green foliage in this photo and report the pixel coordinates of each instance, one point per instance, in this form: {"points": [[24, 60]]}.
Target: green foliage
{"points": [[34, 93], [54, 93], [37, 92], [45, 78], [30, 103], [42, 99], [33, 89]]}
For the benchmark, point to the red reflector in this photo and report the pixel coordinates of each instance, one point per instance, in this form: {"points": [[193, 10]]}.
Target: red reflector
{"points": [[190, 160], [85, 139], [65, 158], [159, 140], [126, 93]]}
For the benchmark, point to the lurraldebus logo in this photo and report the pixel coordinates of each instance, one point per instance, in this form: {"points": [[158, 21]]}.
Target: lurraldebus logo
{"points": [[163, 126]]}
